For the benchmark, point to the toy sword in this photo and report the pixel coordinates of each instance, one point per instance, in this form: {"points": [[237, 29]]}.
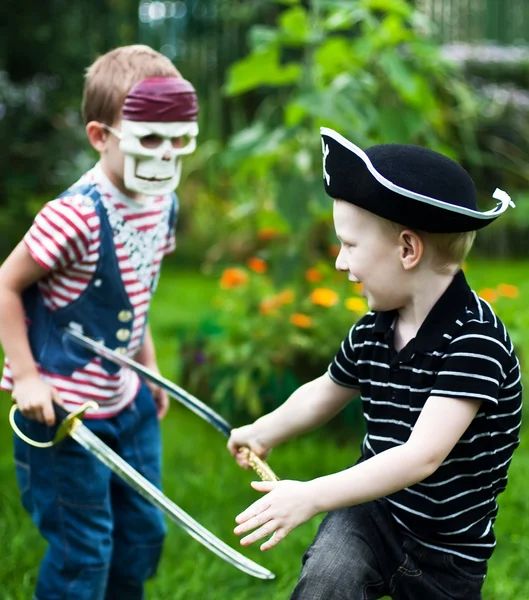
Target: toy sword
{"points": [[71, 425], [176, 392]]}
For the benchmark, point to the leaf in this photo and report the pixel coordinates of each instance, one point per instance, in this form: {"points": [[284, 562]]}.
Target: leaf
{"points": [[263, 37], [399, 74], [259, 69], [254, 143], [294, 114], [342, 108], [393, 31], [399, 7], [343, 19], [294, 25], [335, 56], [244, 143]]}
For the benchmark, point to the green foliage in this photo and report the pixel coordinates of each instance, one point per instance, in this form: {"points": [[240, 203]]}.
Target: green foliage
{"points": [[262, 68], [264, 340], [366, 68]]}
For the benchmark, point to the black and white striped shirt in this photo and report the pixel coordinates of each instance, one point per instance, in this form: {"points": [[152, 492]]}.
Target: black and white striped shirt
{"points": [[462, 350]]}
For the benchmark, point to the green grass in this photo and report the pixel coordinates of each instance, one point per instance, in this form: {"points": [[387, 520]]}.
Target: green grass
{"points": [[200, 477]]}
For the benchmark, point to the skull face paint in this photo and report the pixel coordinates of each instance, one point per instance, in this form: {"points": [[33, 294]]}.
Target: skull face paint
{"points": [[158, 127]]}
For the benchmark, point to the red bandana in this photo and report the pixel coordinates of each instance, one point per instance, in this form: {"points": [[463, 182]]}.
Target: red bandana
{"points": [[161, 100]]}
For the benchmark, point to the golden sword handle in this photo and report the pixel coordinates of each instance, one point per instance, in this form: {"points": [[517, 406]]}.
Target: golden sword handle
{"points": [[68, 424], [260, 466]]}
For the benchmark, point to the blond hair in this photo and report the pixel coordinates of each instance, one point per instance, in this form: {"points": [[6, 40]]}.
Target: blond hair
{"points": [[449, 250], [109, 79]]}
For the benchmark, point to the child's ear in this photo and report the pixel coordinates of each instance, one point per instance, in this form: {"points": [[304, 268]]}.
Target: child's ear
{"points": [[411, 249], [97, 135]]}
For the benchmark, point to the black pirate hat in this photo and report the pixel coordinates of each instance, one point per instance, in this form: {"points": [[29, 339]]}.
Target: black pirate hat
{"points": [[410, 185]]}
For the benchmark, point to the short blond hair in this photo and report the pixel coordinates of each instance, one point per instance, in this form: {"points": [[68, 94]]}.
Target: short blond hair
{"points": [[449, 249], [109, 79]]}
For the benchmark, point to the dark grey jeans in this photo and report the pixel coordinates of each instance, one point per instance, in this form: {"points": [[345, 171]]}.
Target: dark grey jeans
{"points": [[360, 554]]}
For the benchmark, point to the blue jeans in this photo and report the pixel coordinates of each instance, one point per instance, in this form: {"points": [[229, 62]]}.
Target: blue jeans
{"points": [[104, 539], [360, 554]]}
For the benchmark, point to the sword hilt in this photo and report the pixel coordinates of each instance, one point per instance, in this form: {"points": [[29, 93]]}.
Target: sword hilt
{"points": [[260, 466], [68, 421]]}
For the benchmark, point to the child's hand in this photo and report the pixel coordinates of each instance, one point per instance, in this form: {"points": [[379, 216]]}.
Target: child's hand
{"points": [[287, 505], [34, 399], [246, 437], [161, 398]]}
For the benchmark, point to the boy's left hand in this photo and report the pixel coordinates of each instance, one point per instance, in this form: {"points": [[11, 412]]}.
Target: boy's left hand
{"points": [[286, 505], [161, 398]]}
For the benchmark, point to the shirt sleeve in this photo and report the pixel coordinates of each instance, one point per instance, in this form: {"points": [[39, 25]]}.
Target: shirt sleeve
{"points": [[475, 367], [61, 233], [343, 369]]}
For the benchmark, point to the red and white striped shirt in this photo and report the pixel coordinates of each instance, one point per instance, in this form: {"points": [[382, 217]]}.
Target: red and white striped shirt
{"points": [[64, 239]]}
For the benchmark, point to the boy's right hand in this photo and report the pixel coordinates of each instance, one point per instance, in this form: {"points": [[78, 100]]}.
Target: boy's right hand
{"points": [[246, 437], [34, 399]]}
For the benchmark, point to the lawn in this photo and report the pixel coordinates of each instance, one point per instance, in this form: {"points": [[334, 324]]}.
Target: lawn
{"points": [[204, 481]]}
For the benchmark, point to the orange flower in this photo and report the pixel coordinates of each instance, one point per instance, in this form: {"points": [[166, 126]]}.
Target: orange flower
{"points": [[508, 291], [334, 250], [257, 265], [324, 297], [267, 233], [285, 297], [488, 294], [232, 278], [301, 320], [358, 305], [270, 304], [313, 275]]}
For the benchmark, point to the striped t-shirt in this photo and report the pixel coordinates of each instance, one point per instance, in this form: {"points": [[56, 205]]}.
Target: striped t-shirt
{"points": [[64, 239], [463, 351]]}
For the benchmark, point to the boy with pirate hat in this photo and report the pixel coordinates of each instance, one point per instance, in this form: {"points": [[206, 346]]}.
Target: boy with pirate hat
{"points": [[91, 261], [439, 383]]}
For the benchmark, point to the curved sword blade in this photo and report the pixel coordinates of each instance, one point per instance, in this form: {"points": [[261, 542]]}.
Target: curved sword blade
{"points": [[82, 435], [188, 400], [175, 391]]}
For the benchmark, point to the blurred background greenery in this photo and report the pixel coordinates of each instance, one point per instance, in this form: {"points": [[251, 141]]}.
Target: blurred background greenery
{"points": [[249, 306]]}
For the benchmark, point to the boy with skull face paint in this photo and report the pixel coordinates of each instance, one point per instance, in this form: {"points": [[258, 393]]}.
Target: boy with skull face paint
{"points": [[91, 261]]}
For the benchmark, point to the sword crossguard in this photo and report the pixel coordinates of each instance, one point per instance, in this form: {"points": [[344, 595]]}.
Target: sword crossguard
{"points": [[260, 466], [68, 422]]}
